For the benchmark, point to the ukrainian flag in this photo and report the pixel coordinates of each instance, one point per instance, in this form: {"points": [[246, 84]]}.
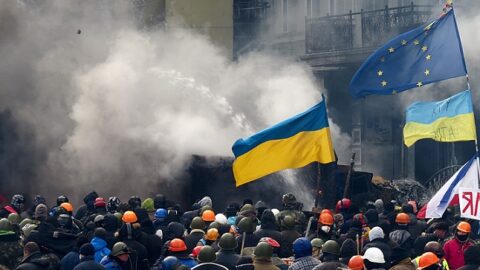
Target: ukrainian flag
{"points": [[293, 143], [449, 120]]}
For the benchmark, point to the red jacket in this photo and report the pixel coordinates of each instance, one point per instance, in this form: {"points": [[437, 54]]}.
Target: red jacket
{"points": [[454, 251]]}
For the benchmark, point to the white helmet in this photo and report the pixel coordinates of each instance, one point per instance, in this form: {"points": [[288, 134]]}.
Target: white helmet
{"points": [[275, 211], [374, 255], [221, 218]]}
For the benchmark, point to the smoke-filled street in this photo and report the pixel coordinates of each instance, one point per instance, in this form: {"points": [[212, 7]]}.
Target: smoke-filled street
{"points": [[239, 134]]}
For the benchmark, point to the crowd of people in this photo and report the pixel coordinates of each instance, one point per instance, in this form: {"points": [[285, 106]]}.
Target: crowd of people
{"points": [[157, 234]]}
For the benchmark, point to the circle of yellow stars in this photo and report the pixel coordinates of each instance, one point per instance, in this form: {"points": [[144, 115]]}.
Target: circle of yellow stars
{"points": [[404, 42]]}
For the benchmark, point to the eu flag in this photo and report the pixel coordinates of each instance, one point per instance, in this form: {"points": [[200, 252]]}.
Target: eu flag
{"points": [[427, 54]]}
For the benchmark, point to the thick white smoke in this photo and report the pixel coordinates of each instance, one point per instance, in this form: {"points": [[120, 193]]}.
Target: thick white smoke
{"points": [[118, 110]]}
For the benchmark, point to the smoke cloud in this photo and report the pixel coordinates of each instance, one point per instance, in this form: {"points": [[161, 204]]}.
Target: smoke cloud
{"points": [[99, 104]]}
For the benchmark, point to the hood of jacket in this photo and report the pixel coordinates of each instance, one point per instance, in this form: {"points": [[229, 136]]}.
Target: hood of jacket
{"points": [[348, 249], [268, 220], [98, 243], [175, 230]]}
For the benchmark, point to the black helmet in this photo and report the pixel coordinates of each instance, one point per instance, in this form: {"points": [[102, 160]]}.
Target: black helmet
{"points": [[263, 250], [135, 202], [61, 199], [197, 223], [227, 242], [207, 254], [113, 204]]}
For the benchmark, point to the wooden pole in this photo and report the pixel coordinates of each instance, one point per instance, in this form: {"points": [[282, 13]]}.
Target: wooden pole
{"points": [[349, 176], [317, 191]]}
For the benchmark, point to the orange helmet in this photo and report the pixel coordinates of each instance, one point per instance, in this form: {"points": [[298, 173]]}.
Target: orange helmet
{"points": [[355, 263], [212, 234], [208, 216], [464, 227], [67, 206], [427, 259], [326, 219], [326, 211], [177, 245], [129, 217], [402, 218]]}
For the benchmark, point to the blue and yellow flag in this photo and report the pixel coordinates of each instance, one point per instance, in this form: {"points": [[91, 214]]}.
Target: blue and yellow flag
{"points": [[427, 54], [293, 143], [449, 120]]}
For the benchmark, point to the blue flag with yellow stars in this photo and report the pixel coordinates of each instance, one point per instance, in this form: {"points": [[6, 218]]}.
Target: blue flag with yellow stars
{"points": [[427, 54]]}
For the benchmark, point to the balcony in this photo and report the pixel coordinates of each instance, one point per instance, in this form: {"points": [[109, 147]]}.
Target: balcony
{"points": [[362, 31]]}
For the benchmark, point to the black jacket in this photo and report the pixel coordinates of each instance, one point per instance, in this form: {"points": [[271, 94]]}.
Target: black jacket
{"points": [[228, 258], [87, 263], [33, 262], [192, 239]]}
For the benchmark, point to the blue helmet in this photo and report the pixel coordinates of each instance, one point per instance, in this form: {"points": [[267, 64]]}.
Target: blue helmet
{"points": [[302, 247], [161, 213], [169, 262]]}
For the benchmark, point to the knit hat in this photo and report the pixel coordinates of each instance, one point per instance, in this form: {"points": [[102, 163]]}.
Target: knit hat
{"points": [[375, 233], [41, 211], [87, 250]]}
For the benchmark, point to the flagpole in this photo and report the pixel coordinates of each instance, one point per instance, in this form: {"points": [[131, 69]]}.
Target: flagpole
{"points": [[476, 139]]}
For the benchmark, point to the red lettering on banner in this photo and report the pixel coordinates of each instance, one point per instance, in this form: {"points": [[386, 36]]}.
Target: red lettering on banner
{"points": [[468, 196], [476, 205]]}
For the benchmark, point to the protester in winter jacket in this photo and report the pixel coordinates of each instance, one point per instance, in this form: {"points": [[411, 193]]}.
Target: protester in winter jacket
{"points": [[88, 208], [348, 250], [260, 206], [376, 239], [10, 247], [246, 228], [330, 256], [400, 260], [129, 234], [455, 248], [227, 256], [206, 259], [69, 261], [159, 220], [196, 234], [401, 235], [293, 208], [415, 226], [32, 258], [118, 259], [178, 249], [268, 227], [99, 244], [439, 234], [373, 259], [86, 259], [437, 249], [262, 257], [289, 235], [152, 242], [302, 249], [325, 229], [17, 205]]}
